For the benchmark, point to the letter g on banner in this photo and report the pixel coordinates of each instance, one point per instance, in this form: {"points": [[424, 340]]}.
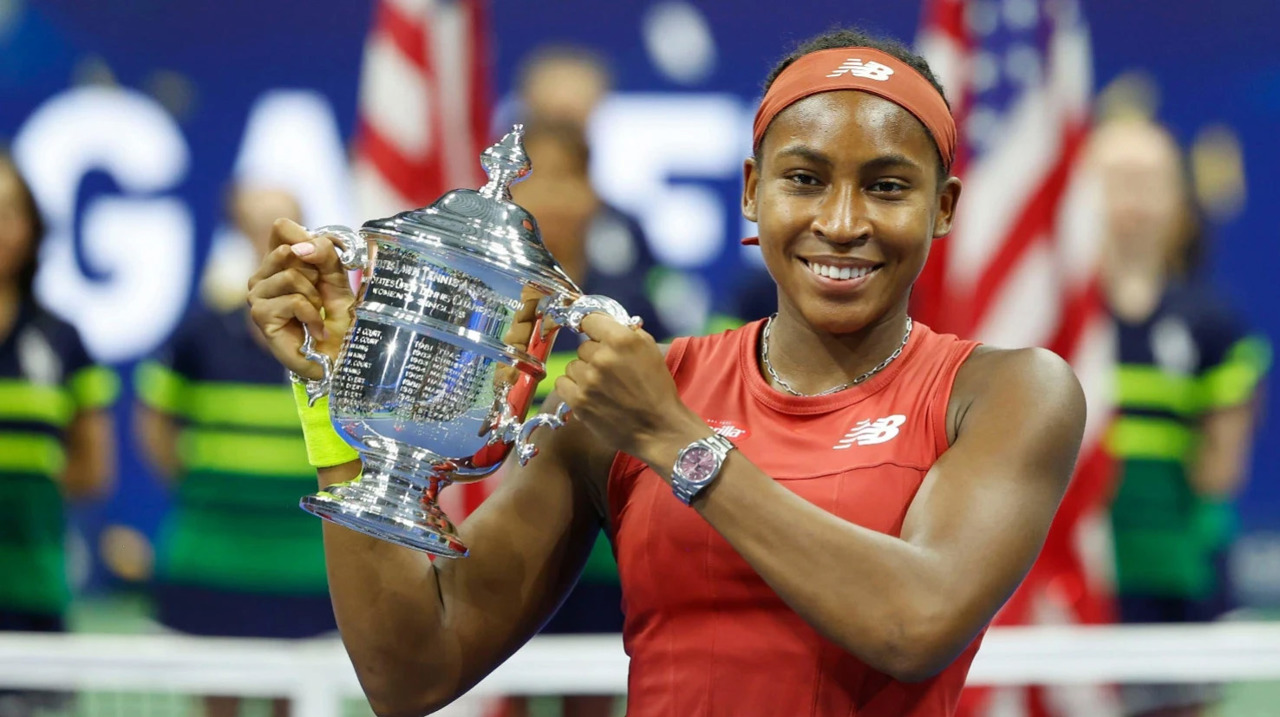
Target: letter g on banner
{"points": [[139, 242]]}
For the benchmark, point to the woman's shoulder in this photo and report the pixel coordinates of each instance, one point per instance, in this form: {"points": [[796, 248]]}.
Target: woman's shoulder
{"points": [[1016, 376], [1032, 364], [718, 349]]}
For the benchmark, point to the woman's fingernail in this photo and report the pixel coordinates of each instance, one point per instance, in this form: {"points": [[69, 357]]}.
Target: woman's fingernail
{"points": [[304, 249]]}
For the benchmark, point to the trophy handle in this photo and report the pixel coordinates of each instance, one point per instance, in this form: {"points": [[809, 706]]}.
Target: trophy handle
{"points": [[525, 450], [565, 311], [353, 252], [570, 313]]}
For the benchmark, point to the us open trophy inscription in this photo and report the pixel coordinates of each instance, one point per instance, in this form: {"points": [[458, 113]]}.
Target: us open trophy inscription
{"points": [[458, 308]]}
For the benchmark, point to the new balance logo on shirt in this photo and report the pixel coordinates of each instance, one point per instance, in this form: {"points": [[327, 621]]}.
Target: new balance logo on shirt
{"points": [[871, 70], [870, 432]]}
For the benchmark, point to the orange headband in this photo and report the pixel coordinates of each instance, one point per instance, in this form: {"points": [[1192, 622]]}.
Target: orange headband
{"points": [[867, 70]]}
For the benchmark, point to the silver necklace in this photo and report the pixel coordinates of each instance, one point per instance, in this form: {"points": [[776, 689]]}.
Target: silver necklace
{"points": [[764, 359]]}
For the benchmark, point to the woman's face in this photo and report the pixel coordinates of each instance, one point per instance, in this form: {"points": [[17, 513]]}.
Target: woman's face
{"points": [[847, 200], [15, 225], [558, 194], [1143, 195]]}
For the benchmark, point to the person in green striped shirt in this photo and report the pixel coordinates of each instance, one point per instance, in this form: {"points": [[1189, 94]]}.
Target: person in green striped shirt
{"points": [[56, 437], [1186, 387], [235, 555]]}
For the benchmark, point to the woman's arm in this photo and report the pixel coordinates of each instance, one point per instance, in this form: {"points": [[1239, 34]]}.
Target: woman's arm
{"points": [[905, 605], [908, 606], [157, 432], [91, 455], [422, 632], [1226, 443]]}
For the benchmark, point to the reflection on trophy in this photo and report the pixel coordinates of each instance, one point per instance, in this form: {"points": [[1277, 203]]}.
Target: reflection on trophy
{"points": [[459, 306]]}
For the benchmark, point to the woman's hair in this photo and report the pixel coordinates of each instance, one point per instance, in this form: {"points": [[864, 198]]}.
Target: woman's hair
{"points": [[839, 37], [27, 272], [1186, 256]]}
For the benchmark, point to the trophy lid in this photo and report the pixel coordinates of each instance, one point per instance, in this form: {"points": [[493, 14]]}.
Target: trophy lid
{"points": [[485, 224]]}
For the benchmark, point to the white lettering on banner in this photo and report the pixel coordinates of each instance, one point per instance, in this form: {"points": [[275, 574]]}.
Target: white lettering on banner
{"points": [[291, 142], [138, 242], [641, 142]]}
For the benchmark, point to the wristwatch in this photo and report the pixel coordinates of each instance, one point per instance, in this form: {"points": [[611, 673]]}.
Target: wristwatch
{"points": [[697, 466]]}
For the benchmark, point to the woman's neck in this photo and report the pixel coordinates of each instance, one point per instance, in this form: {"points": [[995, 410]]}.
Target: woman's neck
{"points": [[812, 361], [10, 304], [1133, 290]]}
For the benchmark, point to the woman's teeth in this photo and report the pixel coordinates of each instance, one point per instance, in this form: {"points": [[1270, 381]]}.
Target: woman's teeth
{"points": [[839, 272]]}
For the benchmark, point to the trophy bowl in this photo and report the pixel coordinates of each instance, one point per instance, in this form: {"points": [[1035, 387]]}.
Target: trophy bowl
{"points": [[458, 307]]}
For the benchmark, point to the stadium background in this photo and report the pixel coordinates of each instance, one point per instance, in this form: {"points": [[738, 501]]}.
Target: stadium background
{"points": [[203, 90]]}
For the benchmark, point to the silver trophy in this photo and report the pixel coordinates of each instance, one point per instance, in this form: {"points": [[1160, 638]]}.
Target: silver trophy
{"points": [[459, 305]]}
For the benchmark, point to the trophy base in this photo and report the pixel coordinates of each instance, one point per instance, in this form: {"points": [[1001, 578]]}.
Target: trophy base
{"points": [[419, 524]]}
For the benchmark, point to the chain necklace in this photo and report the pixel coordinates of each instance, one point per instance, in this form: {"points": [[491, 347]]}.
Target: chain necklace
{"points": [[764, 359]]}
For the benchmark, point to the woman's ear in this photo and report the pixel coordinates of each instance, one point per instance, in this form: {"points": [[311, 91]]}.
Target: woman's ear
{"points": [[750, 180], [948, 198]]}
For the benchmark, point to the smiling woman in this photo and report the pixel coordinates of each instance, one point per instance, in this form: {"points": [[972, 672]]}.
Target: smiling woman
{"points": [[885, 489]]}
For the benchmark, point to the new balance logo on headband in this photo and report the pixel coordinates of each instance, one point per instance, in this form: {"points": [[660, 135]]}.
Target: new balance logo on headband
{"points": [[871, 70]]}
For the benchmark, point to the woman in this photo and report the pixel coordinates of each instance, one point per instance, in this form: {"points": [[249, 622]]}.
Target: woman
{"points": [[56, 440], [887, 486], [1187, 392], [235, 556]]}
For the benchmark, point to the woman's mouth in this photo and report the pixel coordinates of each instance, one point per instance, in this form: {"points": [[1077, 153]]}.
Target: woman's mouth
{"points": [[843, 275]]}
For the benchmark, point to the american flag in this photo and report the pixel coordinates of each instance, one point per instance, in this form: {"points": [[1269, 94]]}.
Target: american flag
{"points": [[424, 103], [423, 120], [1020, 269]]}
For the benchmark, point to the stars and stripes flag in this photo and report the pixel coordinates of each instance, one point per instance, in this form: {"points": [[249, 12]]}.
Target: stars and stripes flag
{"points": [[1020, 269], [424, 109], [422, 122]]}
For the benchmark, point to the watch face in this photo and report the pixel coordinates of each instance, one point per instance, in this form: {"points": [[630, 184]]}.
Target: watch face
{"points": [[697, 464]]}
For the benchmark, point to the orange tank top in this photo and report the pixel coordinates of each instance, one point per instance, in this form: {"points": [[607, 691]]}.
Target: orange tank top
{"points": [[706, 636]]}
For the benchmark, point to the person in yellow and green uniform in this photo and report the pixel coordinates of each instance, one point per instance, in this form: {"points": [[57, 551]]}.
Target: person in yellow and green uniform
{"points": [[56, 437], [235, 555], [1186, 388]]}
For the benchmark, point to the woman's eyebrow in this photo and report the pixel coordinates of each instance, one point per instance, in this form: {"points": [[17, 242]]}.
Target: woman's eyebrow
{"points": [[805, 153], [891, 161]]}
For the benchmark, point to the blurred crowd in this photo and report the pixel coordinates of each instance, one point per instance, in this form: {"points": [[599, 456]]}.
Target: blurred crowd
{"points": [[216, 421]]}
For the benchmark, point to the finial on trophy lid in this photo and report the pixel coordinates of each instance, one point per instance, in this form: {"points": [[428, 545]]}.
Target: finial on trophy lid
{"points": [[506, 163]]}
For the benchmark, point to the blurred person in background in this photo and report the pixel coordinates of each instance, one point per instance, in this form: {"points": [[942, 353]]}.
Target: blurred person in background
{"points": [[236, 557], [56, 437], [560, 86], [559, 195], [558, 89], [562, 83], [1187, 393]]}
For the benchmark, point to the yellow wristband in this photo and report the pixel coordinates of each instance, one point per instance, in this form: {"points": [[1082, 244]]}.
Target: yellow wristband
{"points": [[325, 448]]}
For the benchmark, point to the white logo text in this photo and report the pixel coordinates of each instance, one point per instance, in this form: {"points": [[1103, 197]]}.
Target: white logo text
{"points": [[871, 70], [869, 432]]}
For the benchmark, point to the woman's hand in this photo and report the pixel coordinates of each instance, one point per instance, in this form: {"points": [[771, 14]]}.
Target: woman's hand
{"points": [[300, 277], [621, 390]]}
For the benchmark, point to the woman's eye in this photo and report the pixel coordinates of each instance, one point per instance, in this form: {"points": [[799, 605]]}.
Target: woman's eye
{"points": [[887, 186]]}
